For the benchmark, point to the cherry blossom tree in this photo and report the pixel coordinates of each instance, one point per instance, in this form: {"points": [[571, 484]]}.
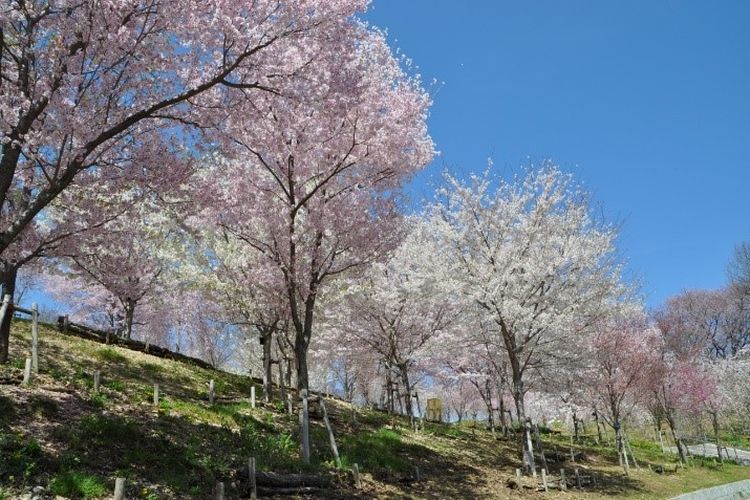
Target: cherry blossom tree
{"points": [[623, 358], [531, 257], [102, 94], [122, 258], [396, 310], [311, 188]]}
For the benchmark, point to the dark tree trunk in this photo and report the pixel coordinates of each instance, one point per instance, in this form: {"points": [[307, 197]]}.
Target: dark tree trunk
{"points": [[266, 338], [501, 408], [8, 276], [407, 386], [677, 441], [598, 429], [129, 314], [717, 435], [518, 397]]}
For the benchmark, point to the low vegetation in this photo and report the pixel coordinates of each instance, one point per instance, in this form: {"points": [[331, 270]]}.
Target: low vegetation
{"points": [[59, 435]]}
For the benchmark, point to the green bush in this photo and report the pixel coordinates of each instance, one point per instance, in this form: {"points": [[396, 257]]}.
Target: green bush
{"points": [[77, 485]]}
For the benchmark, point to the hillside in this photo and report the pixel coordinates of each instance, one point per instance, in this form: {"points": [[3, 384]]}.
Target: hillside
{"points": [[61, 436]]}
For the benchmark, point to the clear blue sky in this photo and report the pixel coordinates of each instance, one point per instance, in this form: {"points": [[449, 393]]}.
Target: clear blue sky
{"points": [[646, 102]]}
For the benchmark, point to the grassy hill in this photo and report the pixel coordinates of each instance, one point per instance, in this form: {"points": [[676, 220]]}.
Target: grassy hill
{"points": [[61, 436]]}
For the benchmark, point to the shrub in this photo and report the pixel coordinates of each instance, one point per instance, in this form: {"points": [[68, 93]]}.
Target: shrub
{"points": [[77, 485]]}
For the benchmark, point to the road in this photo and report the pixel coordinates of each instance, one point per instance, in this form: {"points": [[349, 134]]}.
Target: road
{"points": [[709, 450]]}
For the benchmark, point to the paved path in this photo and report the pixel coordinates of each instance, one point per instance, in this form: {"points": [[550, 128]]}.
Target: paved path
{"points": [[709, 450], [732, 491]]}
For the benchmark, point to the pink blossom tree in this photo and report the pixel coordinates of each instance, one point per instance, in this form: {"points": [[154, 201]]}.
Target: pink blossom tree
{"points": [[311, 187], [623, 359], [109, 92]]}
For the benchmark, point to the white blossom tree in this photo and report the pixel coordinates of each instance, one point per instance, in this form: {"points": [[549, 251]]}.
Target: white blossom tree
{"points": [[529, 254]]}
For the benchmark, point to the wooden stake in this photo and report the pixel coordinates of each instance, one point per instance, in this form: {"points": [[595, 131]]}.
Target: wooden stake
{"points": [[304, 421], [563, 481], [252, 396], [578, 479], [416, 473], [518, 472], [35, 338], [357, 479], [219, 490], [253, 485], [211, 391], [156, 395], [539, 446], [544, 480], [331, 437], [627, 443], [27, 372], [4, 307], [97, 381], [119, 488]]}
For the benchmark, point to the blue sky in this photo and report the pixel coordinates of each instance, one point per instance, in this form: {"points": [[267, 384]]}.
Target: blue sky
{"points": [[646, 102]]}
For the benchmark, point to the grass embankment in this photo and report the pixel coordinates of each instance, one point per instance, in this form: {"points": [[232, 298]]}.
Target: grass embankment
{"points": [[60, 435]]}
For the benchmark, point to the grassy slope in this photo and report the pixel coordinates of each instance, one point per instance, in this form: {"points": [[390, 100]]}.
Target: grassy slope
{"points": [[60, 435]]}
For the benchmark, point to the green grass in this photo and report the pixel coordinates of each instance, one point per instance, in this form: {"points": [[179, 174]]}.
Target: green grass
{"points": [[77, 485], [181, 450], [110, 355], [20, 458]]}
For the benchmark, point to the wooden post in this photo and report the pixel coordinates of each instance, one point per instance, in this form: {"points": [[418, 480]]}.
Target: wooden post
{"points": [[518, 472], [156, 395], [533, 472], [416, 473], [578, 479], [27, 372], [544, 480], [119, 488], [211, 392], [627, 443], [357, 479], [563, 481], [539, 446], [572, 455], [97, 381], [661, 440], [252, 396], [251, 475], [331, 437], [35, 338], [304, 421], [219, 490], [4, 307]]}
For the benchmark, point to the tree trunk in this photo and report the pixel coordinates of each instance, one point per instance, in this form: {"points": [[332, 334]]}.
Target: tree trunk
{"points": [[518, 397], [598, 429], [129, 314], [267, 365], [282, 385], [717, 436], [620, 444], [677, 441], [8, 276], [488, 403], [501, 408], [407, 386], [300, 360]]}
